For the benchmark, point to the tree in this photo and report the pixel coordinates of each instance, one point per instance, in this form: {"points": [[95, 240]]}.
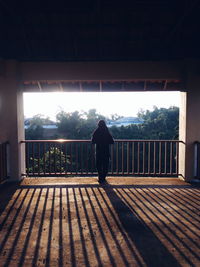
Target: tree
{"points": [[35, 129], [160, 123], [77, 125], [69, 124]]}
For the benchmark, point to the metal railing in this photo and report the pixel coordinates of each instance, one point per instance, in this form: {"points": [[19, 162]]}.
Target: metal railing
{"points": [[77, 157], [3, 161], [197, 160]]}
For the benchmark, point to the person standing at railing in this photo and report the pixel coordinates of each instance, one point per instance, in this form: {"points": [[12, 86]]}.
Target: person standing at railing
{"points": [[102, 138]]}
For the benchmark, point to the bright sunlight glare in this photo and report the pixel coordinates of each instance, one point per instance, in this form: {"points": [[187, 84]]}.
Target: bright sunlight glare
{"points": [[106, 103]]}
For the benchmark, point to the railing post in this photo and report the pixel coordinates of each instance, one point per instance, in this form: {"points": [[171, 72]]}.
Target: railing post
{"points": [[196, 160], [4, 161], [7, 159], [1, 163]]}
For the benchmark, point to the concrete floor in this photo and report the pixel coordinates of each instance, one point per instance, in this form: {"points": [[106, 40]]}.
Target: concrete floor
{"points": [[77, 222]]}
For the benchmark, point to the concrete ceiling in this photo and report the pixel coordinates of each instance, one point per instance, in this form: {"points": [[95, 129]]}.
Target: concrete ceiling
{"points": [[99, 30]]}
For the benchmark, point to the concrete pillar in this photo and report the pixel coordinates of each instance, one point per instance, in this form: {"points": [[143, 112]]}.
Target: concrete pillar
{"points": [[12, 117], [189, 122]]}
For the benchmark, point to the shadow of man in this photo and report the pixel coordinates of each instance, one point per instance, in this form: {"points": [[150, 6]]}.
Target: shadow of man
{"points": [[152, 250]]}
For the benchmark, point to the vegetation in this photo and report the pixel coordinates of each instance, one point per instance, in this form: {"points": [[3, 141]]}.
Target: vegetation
{"points": [[161, 123], [34, 131]]}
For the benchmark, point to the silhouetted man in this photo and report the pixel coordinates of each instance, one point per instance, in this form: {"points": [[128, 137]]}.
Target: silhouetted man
{"points": [[102, 138]]}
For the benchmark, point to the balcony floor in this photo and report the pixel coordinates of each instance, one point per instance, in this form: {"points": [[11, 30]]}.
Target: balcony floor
{"points": [[77, 222]]}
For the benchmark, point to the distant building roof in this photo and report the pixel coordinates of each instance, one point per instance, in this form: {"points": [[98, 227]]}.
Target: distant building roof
{"points": [[50, 125], [125, 121]]}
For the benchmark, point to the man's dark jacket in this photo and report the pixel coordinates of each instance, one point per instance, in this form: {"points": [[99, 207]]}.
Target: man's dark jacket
{"points": [[102, 138]]}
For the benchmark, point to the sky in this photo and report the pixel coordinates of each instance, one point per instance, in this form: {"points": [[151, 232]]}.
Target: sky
{"points": [[125, 104]]}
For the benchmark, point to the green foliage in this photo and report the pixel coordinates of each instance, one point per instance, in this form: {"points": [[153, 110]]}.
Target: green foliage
{"points": [[161, 123], [158, 124], [53, 160], [69, 124], [35, 130], [77, 125], [128, 132]]}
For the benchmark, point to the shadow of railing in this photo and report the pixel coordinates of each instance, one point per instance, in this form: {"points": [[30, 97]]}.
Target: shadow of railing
{"points": [[94, 225]]}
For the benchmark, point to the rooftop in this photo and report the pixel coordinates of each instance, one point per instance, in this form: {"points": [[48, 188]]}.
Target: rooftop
{"points": [[125, 121]]}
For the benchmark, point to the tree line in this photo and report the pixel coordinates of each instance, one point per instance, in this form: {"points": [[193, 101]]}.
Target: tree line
{"points": [[160, 123]]}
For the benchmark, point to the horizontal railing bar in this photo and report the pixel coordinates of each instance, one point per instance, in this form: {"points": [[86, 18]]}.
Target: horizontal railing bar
{"points": [[81, 140], [55, 141]]}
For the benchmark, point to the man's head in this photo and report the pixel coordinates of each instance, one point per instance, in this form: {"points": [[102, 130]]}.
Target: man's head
{"points": [[102, 124]]}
